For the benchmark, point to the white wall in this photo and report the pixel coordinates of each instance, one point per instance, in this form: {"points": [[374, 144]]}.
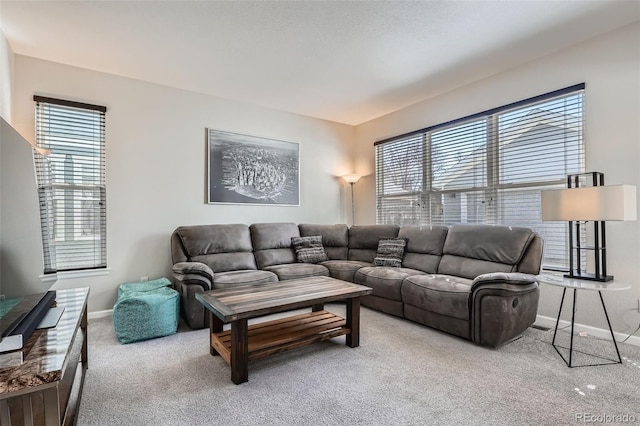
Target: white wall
{"points": [[6, 73], [610, 67], [156, 170]]}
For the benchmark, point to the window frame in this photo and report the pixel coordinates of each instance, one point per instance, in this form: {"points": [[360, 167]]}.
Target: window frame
{"points": [[490, 190], [74, 119]]}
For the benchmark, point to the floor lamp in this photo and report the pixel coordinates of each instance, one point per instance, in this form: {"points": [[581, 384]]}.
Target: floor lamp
{"points": [[579, 204], [352, 179]]}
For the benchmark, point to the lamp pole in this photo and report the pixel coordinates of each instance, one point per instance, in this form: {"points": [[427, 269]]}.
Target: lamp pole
{"points": [[352, 179], [353, 205]]}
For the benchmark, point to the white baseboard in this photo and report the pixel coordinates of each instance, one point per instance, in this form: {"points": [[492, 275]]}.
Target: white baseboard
{"points": [[600, 333], [540, 320], [100, 314]]}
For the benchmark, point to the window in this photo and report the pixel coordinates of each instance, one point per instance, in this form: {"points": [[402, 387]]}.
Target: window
{"points": [[71, 184], [486, 168]]}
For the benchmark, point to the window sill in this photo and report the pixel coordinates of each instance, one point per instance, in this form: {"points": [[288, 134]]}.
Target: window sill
{"points": [[69, 275]]}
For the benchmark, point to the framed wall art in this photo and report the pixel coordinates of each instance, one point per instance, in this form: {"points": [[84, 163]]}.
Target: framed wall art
{"points": [[245, 169]]}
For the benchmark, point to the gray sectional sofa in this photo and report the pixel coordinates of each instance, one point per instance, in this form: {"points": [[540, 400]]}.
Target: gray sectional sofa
{"points": [[473, 281]]}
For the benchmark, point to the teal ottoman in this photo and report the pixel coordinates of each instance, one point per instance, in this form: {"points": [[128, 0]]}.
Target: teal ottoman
{"points": [[146, 310]]}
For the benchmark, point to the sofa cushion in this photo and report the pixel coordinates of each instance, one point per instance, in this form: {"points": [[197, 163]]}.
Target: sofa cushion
{"points": [[427, 239], [209, 239], [442, 294], [471, 250], [344, 269], [231, 278], [470, 268], [501, 244], [293, 271], [221, 247], [222, 262], [390, 252], [424, 246], [385, 281], [272, 243], [363, 240], [309, 249], [335, 238], [266, 236]]}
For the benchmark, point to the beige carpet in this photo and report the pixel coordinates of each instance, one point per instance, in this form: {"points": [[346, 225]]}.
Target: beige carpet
{"points": [[402, 374]]}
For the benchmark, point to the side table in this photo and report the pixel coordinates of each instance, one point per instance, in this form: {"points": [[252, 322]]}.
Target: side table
{"points": [[575, 285]]}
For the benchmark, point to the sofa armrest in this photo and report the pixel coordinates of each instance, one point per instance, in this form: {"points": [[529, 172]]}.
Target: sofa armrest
{"points": [[195, 273], [502, 306], [508, 279]]}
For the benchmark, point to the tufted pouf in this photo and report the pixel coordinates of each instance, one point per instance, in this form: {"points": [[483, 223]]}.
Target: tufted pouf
{"points": [[145, 310]]}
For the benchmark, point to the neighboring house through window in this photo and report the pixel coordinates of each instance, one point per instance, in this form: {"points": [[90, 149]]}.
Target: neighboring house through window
{"points": [[486, 168], [71, 184]]}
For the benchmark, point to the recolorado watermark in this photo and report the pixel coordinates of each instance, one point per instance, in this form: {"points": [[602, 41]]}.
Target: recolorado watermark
{"points": [[605, 418]]}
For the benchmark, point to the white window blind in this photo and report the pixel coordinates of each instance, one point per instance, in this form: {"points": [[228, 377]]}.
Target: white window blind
{"points": [[486, 168], [71, 184]]}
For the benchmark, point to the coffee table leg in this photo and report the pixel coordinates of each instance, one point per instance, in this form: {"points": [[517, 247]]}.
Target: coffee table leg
{"points": [[239, 352], [353, 322], [215, 326], [317, 307]]}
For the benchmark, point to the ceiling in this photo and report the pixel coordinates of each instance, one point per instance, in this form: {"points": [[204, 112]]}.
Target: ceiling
{"points": [[344, 61]]}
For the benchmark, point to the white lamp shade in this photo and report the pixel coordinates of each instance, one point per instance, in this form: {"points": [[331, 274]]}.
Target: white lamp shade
{"points": [[610, 202], [351, 178]]}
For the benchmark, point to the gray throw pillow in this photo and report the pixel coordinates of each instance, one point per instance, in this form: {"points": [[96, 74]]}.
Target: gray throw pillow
{"points": [[390, 252], [309, 249]]}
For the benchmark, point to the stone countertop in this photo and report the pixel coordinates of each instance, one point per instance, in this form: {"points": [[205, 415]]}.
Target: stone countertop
{"points": [[42, 359]]}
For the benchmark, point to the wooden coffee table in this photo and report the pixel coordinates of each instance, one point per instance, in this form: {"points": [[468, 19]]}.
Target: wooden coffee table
{"points": [[243, 343]]}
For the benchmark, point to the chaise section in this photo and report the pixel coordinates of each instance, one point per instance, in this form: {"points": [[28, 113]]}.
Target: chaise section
{"points": [[274, 253]]}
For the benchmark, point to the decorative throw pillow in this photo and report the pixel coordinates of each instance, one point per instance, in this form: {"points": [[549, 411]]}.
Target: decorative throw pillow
{"points": [[309, 249], [390, 252]]}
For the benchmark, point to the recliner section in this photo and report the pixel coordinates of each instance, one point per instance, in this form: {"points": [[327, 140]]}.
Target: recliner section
{"points": [[473, 281]]}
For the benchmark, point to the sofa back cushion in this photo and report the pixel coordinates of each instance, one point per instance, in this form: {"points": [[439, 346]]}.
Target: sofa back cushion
{"points": [[424, 246], [272, 243], [471, 250], [221, 247], [363, 240], [335, 238], [531, 262]]}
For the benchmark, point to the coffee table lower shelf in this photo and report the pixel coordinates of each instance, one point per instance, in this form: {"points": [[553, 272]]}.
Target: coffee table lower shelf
{"points": [[271, 337]]}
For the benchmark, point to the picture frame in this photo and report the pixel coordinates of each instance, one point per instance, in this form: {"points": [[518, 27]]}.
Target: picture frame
{"points": [[245, 169]]}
